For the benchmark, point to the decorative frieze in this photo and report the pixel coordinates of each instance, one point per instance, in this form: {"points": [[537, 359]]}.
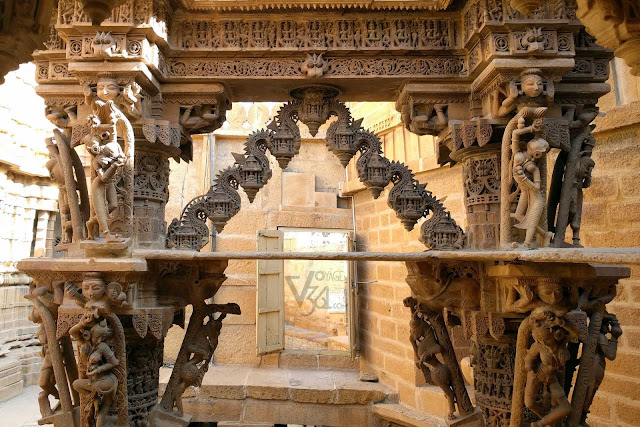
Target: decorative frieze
{"points": [[480, 13], [337, 67], [360, 33]]}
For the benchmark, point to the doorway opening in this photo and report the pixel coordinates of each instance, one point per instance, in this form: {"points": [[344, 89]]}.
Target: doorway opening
{"points": [[317, 303]]}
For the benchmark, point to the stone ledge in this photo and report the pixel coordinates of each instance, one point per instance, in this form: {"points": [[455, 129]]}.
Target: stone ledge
{"points": [[629, 255], [619, 117], [406, 416], [239, 382]]}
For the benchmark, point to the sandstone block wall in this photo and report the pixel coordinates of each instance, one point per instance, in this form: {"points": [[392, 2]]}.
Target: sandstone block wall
{"points": [[28, 204]]}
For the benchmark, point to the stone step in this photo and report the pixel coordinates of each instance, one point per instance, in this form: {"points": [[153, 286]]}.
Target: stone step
{"points": [[297, 385], [246, 394], [403, 415]]}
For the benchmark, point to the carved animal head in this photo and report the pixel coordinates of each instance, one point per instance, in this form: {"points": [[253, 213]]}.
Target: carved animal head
{"points": [[103, 45]]}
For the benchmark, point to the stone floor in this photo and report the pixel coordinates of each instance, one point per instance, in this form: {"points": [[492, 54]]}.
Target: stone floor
{"points": [[22, 410]]}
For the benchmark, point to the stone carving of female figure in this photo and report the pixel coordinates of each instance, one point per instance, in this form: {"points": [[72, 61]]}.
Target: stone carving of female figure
{"points": [[526, 174], [108, 158], [545, 361], [531, 92], [426, 347], [100, 296], [104, 103], [101, 382], [107, 122]]}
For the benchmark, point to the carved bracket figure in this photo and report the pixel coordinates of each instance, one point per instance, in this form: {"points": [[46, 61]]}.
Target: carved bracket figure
{"points": [[107, 122], [65, 168], [58, 364], [429, 338], [202, 118], [199, 344], [102, 382], [571, 175], [541, 354], [425, 119]]}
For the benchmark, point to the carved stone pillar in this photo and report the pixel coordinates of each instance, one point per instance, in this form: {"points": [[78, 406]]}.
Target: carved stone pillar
{"points": [[481, 175], [144, 360], [615, 25], [150, 195], [525, 323]]}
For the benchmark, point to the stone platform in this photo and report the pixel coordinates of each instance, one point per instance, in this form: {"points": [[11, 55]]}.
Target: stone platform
{"points": [[245, 394], [240, 395]]}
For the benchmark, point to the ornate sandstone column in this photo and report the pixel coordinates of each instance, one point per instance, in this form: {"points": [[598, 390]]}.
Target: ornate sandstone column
{"points": [[534, 87], [102, 93]]}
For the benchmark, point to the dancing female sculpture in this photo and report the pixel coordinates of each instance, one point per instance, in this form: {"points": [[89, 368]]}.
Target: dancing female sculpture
{"points": [[101, 382], [544, 363], [108, 122], [526, 174], [108, 159]]}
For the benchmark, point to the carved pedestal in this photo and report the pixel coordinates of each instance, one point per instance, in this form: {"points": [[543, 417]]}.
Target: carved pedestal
{"points": [[526, 323]]}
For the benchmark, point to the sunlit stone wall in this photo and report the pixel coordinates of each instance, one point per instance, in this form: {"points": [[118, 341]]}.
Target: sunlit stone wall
{"points": [[28, 204]]}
